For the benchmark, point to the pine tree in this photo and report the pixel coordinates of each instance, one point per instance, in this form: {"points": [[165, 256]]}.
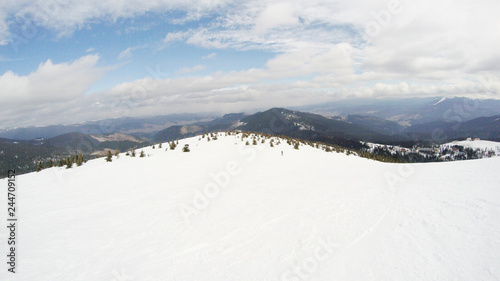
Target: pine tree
{"points": [[159, 145], [142, 154], [172, 145], [254, 142], [247, 143], [109, 156], [186, 148], [296, 145], [39, 166], [79, 159]]}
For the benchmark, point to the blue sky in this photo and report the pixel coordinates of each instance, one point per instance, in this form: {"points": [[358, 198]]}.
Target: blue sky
{"points": [[67, 61]]}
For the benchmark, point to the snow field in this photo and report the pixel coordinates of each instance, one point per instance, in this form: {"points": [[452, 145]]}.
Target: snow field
{"points": [[227, 211]]}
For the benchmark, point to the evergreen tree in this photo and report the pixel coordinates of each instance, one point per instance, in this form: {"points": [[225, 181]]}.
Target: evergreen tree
{"points": [[39, 166], [296, 145], [79, 159], [172, 145], [186, 148], [109, 156], [159, 145], [254, 142], [142, 154]]}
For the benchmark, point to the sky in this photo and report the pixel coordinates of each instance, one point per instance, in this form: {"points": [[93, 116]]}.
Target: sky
{"points": [[69, 61]]}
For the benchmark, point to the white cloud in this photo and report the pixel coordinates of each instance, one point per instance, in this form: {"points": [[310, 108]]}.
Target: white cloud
{"points": [[324, 50], [50, 85], [125, 54], [187, 70], [275, 15], [175, 36], [209, 56], [67, 16]]}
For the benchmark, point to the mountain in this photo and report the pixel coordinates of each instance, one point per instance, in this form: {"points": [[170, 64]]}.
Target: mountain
{"points": [[281, 121], [226, 122], [23, 155], [230, 211], [308, 126], [483, 127], [346, 131], [138, 126], [411, 111], [373, 123]]}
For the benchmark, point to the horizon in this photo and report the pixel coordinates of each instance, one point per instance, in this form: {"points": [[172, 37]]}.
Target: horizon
{"points": [[99, 59], [215, 115]]}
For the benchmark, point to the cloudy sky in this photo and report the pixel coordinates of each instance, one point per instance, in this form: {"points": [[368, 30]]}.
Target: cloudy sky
{"points": [[66, 61]]}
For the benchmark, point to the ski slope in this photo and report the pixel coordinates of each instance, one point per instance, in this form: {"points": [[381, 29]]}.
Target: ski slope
{"points": [[228, 211]]}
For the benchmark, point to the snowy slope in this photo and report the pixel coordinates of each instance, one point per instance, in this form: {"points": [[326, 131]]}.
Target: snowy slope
{"points": [[227, 211], [481, 144]]}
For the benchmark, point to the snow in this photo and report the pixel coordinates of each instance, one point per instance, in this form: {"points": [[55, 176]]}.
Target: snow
{"points": [[115, 137], [481, 144], [441, 100], [303, 127], [238, 123], [227, 211]]}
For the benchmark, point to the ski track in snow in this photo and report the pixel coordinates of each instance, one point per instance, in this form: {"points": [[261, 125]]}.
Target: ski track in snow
{"points": [[121, 220]]}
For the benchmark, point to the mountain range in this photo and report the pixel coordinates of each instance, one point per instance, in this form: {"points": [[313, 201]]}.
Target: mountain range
{"points": [[346, 123], [341, 130]]}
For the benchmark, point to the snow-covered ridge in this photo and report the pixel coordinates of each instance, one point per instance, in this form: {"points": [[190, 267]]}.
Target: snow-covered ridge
{"points": [[441, 100], [115, 137], [481, 144], [231, 211]]}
